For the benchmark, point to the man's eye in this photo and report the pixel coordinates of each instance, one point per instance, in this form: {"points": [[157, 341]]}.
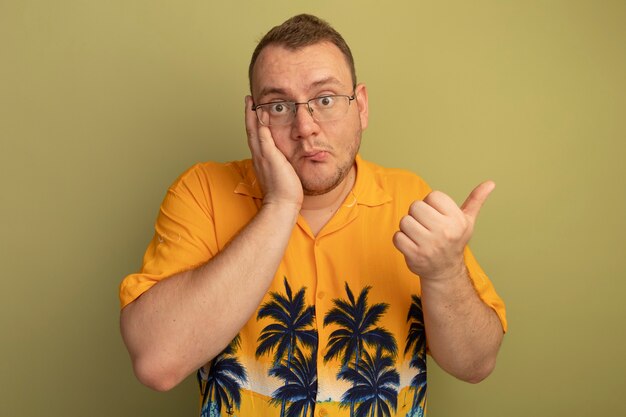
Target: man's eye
{"points": [[326, 101], [278, 108]]}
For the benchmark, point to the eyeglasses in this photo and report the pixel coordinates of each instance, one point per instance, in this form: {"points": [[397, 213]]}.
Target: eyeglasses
{"points": [[322, 109]]}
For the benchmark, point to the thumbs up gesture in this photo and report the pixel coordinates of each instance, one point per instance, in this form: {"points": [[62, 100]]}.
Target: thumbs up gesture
{"points": [[434, 233]]}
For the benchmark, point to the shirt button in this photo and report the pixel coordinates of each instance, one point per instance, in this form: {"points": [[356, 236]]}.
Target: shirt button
{"points": [[321, 295]]}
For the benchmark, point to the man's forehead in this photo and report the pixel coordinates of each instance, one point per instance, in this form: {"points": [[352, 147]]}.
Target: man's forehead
{"points": [[279, 68]]}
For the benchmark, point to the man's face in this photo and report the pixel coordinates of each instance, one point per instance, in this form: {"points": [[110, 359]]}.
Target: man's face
{"points": [[322, 153]]}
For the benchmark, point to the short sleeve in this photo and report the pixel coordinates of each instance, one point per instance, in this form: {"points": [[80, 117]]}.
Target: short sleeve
{"points": [[184, 236], [484, 287]]}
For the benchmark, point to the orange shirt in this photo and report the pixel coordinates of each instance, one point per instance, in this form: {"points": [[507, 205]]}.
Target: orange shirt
{"points": [[341, 328]]}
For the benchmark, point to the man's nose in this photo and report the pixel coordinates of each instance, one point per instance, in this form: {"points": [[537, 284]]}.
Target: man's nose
{"points": [[303, 124]]}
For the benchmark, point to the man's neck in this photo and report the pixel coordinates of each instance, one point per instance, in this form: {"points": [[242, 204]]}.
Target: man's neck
{"points": [[317, 210]]}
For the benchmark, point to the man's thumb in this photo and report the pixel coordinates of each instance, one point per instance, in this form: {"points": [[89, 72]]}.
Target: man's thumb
{"points": [[475, 200]]}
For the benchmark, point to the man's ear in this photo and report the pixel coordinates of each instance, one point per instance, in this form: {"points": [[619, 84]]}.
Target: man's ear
{"points": [[360, 92]]}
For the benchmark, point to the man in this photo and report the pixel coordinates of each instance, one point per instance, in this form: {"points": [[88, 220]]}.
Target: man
{"points": [[307, 279]]}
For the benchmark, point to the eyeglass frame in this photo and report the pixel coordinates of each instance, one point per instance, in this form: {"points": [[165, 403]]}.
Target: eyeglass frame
{"points": [[308, 106]]}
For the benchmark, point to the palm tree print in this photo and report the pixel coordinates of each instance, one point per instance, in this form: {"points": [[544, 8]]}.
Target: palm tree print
{"points": [[418, 383], [300, 388], [375, 382], [416, 344], [357, 328], [222, 384], [292, 325]]}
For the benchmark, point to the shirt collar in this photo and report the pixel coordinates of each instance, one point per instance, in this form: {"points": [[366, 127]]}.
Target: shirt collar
{"points": [[367, 188], [249, 185]]}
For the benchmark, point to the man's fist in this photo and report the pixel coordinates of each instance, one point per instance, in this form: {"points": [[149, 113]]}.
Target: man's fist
{"points": [[434, 233]]}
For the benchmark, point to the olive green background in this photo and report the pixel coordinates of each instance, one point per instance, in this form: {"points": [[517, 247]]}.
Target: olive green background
{"points": [[104, 103]]}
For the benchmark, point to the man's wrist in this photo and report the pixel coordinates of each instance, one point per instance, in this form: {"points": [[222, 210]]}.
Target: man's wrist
{"points": [[446, 280], [282, 209]]}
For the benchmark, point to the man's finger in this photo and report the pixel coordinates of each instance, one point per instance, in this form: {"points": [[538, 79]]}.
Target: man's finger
{"points": [[472, 205], [251, 125]]}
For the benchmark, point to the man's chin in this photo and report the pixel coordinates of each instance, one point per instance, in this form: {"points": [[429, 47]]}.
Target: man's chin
{"points": [[319, 189], [323, 181], [310, 193], [313, 188]]}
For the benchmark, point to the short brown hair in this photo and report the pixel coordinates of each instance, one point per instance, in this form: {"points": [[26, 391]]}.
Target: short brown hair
{"points": [[300, 31]]}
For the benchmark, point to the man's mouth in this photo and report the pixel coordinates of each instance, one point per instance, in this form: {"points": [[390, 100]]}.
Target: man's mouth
{"points": [[316, 155]]}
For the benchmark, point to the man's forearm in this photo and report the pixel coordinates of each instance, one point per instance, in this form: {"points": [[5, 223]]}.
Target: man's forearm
{"points": [[186, 320], [463, 333]]}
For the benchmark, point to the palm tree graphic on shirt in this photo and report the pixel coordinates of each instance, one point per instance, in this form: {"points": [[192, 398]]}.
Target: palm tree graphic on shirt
{"points": [[222, 384], [290, 330], [375, 386], [357, 329], [366, 352], [300, 389], [416, 345]]}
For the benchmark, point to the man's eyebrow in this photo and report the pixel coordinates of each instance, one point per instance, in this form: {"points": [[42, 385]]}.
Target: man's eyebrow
{"points": [[272, 90], [326, 81], [316, 84]]}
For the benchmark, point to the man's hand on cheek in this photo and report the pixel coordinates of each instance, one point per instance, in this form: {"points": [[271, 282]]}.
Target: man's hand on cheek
{"points": [[434, 233], [278, 180]]}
